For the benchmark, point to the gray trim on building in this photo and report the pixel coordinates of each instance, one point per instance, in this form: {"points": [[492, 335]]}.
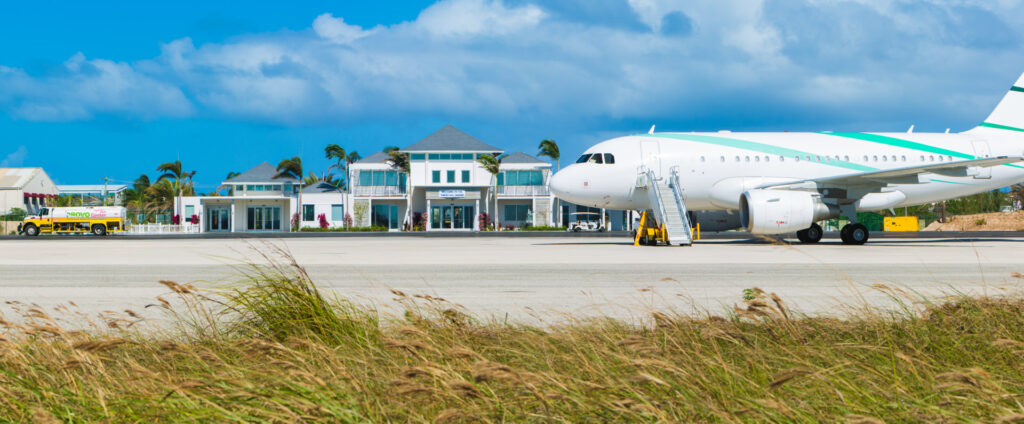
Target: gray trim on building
{"points": [[451, 139], [520, 157], [379, 157], [262, 173]]}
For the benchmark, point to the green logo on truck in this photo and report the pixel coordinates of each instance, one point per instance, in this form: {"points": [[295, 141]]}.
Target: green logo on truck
{"points": [[78, 214]]}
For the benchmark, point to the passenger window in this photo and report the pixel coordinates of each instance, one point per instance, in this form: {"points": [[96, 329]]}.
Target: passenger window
{"points": [[922, 158], [818, 158], [865, 158], [951, 158], [757, 158], [875, 158], [583, 159], [737, 158], [885, 158], [767, 158], [940, 158], [894, 158], [797, 158], [723, 158], [807, 158], [608, 158], [746, 158], [702, 159], [782, 158], [931, 158], [846, 158], [903, 158]]}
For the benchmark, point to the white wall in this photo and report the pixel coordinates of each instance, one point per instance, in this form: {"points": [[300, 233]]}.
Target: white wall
{"points": [[322, 203]]}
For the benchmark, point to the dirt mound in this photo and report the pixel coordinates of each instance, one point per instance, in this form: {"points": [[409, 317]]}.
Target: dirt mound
{"points": [[996, 221]]}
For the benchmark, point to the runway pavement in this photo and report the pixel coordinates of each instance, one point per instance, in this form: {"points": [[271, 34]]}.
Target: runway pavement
{"points": [[521, 278]]}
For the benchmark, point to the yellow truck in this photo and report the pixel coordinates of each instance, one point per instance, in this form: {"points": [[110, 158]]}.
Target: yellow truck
{"points": [[98, 220]]}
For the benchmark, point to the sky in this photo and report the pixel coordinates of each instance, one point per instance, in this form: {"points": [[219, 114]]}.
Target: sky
{"points": [[112, 89]]}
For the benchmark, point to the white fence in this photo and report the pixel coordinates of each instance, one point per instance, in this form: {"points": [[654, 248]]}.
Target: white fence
{"points": [[162, 229], [522, 191]]}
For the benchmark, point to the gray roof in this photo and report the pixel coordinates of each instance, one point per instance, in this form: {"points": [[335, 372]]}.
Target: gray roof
{"points": [[520, 157], [320, 187], [262, 173], [379, 157], [451, 139]]}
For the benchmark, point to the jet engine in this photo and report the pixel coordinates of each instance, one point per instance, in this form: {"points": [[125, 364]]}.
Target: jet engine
{"points": [[716, 220], [782, 211]]}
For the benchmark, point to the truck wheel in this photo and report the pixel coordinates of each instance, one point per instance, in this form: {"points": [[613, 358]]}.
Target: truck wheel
{"points": [[31, 230], [99, 229]]}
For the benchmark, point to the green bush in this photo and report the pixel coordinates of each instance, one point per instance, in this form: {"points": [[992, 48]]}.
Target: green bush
{"points": [[542, 228], [375, 228]]}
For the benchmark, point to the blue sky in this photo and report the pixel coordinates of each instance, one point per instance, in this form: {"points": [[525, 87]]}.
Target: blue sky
{"points": [[88, 92]]}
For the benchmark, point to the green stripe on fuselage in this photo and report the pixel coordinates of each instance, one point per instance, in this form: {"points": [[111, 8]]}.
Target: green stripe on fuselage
{"points": [[1001, 127], [1015, 88], [758, 147], [906, 144]]}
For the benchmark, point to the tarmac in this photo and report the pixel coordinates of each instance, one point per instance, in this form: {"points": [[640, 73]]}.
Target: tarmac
{"points": [[536, 279]]}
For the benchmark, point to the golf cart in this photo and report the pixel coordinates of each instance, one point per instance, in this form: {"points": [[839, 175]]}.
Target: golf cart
{"points": [[584, 221]]}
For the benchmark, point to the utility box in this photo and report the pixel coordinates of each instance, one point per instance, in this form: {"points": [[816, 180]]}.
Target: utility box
{"points": [[901, 223]]}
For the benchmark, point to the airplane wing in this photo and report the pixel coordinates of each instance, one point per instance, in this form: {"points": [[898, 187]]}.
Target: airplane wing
{"points": [[906, 175]]}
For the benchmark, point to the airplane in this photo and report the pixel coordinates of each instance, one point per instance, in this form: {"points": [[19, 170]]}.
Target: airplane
{"points": [[780, 183]]}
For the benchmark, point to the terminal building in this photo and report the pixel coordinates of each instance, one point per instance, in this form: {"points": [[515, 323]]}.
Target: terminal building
{"points": [[28, 189], [446, 189]]}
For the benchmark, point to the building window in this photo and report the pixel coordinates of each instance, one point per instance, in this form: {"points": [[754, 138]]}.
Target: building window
{"points": [[451, 176], [417, 156], [465, 176], [189, 211], [337, 212], [435, 176], [381, 178], [518, 213], [308, 213], [521, 178]]}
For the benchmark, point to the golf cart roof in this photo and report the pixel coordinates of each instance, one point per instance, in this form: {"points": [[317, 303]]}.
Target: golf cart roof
{"points": [[584, 213]]}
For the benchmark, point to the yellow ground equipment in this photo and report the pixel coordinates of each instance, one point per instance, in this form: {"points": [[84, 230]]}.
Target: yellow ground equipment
{"points": [[901, 223], [650, 233]]}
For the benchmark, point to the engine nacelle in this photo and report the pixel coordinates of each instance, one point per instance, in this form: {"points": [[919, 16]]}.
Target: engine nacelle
{"points": [[716, 220], [782, 211]]}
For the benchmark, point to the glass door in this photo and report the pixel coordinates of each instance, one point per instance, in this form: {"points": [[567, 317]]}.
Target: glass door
{"points": [[219, 219]]}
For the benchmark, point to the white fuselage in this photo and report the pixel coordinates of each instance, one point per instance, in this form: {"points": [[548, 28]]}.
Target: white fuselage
{"points": [[715, 169]]}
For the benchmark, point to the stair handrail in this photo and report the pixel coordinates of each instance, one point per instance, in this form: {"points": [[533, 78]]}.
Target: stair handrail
{"points": [[652, 193], [679, 196]]}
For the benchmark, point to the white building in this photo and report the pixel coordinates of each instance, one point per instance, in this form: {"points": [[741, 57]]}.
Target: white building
{"points": [[28, 189], [258, 201], [447, 189]]}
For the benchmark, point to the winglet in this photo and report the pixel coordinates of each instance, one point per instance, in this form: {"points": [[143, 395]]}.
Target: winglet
{"points": [[911, 130], [651, 131]]}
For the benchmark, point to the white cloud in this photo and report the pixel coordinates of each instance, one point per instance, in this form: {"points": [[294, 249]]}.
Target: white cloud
{"points": [[511, 62], [82, 88], [335, 29], [461, 18], [15, 158]]}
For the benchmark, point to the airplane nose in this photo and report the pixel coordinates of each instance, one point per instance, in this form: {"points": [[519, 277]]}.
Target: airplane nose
{"points": [[559, 184]]}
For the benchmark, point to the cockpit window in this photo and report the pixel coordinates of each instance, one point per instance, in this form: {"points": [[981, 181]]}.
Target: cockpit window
{"points": [[608, 158], [596, 158], [583, 158]]}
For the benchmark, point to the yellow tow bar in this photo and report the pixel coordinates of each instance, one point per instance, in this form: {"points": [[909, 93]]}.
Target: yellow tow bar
{"points": [[649, 233]]}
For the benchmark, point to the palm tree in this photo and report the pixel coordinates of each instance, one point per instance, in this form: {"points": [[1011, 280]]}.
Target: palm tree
{"points": [[336, 152], [292, 168], [492, 165], [231, 175], [173, 170], [161, 195], [400, 161], [550, 149], [389, 149]]}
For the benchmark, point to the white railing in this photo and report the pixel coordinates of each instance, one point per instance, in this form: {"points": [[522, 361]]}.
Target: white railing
{"points": [[379, 191], [523, 190], [163, 229]]}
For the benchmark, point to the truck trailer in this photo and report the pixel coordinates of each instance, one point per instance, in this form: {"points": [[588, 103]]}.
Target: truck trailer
{"points": [[98, 220]]}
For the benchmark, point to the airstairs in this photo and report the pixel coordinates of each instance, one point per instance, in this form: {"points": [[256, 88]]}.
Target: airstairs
{"points": [[669, 207]]}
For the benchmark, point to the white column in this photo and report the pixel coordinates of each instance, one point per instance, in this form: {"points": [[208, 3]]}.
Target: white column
{"points": [[476, 221], [429, 218], [604, 223], [233, 223]]}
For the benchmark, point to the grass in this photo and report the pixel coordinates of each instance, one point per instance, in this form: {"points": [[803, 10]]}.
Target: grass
{"points": [[278, 350]]}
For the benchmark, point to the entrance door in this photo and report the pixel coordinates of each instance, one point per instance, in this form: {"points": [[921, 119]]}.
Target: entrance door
{"points": [[451, 217], [219, 219], [650, 151], [981, 151]]}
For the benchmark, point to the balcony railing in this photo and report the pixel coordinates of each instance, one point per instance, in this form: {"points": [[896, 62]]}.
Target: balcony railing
{"points": [[523, 191], [379, 191]]}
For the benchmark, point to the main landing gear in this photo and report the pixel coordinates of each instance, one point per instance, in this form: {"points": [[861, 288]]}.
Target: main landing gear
{"points": [[855, 234], [810, 235]]}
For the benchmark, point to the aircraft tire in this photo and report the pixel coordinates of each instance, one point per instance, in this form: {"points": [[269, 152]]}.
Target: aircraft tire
{"points": [[810, 235], [857, 234]]}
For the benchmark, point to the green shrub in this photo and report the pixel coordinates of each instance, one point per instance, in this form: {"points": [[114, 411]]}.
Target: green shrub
{"points": [[542, 228]]}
